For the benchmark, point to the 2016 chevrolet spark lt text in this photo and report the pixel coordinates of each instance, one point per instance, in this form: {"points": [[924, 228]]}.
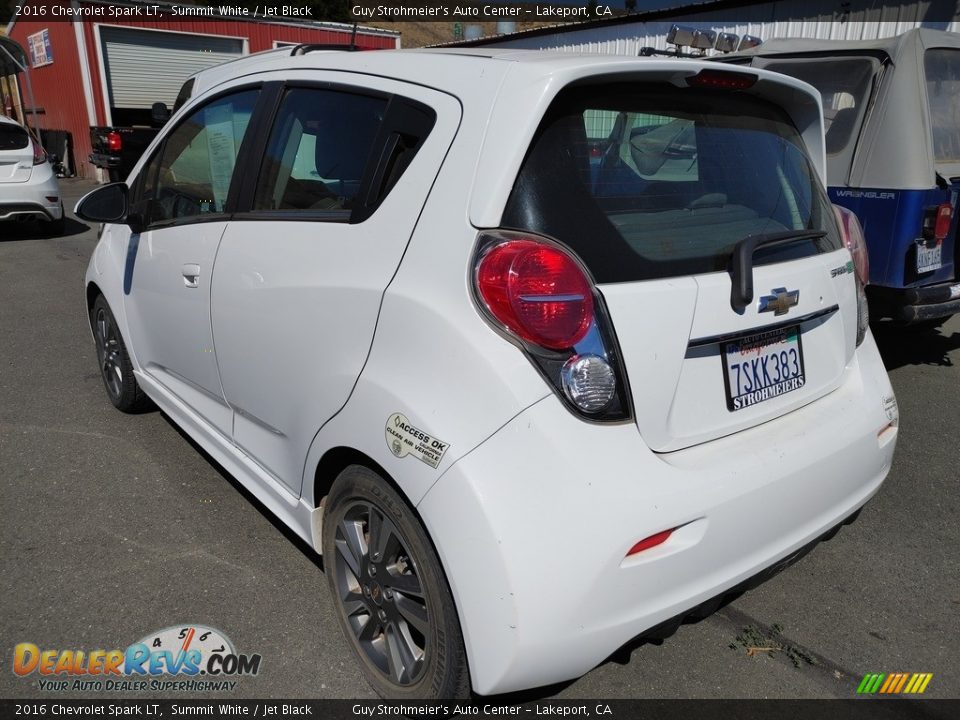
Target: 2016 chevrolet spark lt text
{"points": [[514, 341]]}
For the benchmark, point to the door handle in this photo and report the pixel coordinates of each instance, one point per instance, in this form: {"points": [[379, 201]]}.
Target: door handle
{"points": [[191, 275]]}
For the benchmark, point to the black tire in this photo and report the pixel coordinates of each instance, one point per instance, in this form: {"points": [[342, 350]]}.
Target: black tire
{"points": [[56, 228], [116, 370], [927, 325], [395, 609]]}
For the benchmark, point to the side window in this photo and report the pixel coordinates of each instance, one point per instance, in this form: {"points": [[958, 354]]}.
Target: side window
{"points": [[663, 148], [146, 184], [197, 160], [644, 151], [318, 150]]}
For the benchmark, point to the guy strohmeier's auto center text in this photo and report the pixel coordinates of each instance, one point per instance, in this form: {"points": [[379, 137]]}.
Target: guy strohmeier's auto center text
{"points": [[462, 11]]}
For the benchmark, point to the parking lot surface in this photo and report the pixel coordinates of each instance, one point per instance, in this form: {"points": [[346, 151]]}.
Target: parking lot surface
{"points": [[116, 526]]}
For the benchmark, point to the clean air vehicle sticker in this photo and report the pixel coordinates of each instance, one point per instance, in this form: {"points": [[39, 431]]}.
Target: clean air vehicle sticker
{"points": [[891, 409], [404, 439]]}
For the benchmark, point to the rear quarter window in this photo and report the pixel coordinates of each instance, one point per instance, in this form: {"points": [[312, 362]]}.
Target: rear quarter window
{"points": [[651, 181], [13, 137]]}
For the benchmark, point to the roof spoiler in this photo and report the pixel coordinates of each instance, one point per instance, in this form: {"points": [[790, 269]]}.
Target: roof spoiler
{"points": [[305, 48]]}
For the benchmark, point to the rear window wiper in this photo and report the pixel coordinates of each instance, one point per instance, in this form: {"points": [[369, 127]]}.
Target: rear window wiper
{"points": [[741, 262]]}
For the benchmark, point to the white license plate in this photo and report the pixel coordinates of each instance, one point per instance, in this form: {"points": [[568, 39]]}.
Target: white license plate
{"points": [[929, 259], [762, 366]]}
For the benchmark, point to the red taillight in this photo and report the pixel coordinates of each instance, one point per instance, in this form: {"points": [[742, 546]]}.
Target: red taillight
{"points": [[722, 80], [647, 543], [114, 141], [941, 225], [855, 242], [39, 154], [537, 292]]}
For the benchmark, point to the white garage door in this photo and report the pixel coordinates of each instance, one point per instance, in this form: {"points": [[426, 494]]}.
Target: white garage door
{"points": [[144, 66]]}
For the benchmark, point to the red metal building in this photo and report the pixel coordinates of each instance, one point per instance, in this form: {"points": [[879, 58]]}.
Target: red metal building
{"points": [[92, 68]]}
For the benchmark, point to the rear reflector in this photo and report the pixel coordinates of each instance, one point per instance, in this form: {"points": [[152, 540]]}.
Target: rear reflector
{"points": [[647, 543], [722, 80], [51, 198]]}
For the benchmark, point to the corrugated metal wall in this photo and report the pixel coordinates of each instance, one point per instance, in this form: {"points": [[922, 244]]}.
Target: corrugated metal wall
{"points": [[58, 87], [144, 67], [820, 19]]}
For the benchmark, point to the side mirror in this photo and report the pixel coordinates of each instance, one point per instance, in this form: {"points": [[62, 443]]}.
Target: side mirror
{"points": [[107, 204], [159, 114]]}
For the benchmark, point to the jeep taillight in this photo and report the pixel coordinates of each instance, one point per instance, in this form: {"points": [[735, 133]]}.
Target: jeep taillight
{"points": [[540, 296], [941, 225], [936, 222], [855, 242], [114, 141]]}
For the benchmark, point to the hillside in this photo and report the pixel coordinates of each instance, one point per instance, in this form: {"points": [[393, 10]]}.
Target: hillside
{"points": [[420, 34]]}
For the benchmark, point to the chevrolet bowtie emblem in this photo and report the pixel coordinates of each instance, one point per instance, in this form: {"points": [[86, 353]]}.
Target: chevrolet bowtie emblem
{"points": [[780, 302]]}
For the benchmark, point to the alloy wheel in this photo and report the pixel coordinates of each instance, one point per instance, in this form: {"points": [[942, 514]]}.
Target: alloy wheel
{"points": [[381, 593], [108, 353]]}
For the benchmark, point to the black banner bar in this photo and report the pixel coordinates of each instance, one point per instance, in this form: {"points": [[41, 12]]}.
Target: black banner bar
{"points": [[859, 709]]}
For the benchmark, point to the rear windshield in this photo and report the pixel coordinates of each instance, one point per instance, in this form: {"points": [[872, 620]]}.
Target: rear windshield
{"points": [[942, 67], [648, 182], [845, 88], [13, 137]]}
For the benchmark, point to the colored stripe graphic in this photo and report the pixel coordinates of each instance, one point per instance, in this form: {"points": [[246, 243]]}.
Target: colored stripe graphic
{"points": [[891, 679], [894, 683], [865, 683]]}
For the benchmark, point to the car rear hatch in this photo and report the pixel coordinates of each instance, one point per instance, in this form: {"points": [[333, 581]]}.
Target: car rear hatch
{"points": [[684, 177], [16, 154]]}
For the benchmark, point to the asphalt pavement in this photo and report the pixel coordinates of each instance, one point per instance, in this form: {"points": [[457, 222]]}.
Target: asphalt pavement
{"points": [[115, 526]]}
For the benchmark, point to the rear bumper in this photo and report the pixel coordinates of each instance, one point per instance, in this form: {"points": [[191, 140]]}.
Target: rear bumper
{"points": [[29, 199], [102, 160], [30, 210], [911, 305], [533, 526]]}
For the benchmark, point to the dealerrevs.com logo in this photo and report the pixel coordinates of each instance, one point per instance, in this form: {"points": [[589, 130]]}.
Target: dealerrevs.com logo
{"points": [[178, 658]]}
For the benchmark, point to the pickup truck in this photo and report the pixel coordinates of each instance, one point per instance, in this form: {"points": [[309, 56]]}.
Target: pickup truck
{"points": [[117, 149]]}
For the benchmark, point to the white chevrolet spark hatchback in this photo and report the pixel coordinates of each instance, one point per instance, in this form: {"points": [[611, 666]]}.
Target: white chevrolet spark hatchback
{"points": [[516, 341]]}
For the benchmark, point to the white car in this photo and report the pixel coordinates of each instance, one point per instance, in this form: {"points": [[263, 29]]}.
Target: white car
{"points": [[28, 185], [530, 395]]}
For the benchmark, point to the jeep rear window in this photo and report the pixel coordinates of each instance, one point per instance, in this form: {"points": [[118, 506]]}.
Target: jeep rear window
{"points": [[942, 68], [653, 181], [844, 85], [13, 137]]}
